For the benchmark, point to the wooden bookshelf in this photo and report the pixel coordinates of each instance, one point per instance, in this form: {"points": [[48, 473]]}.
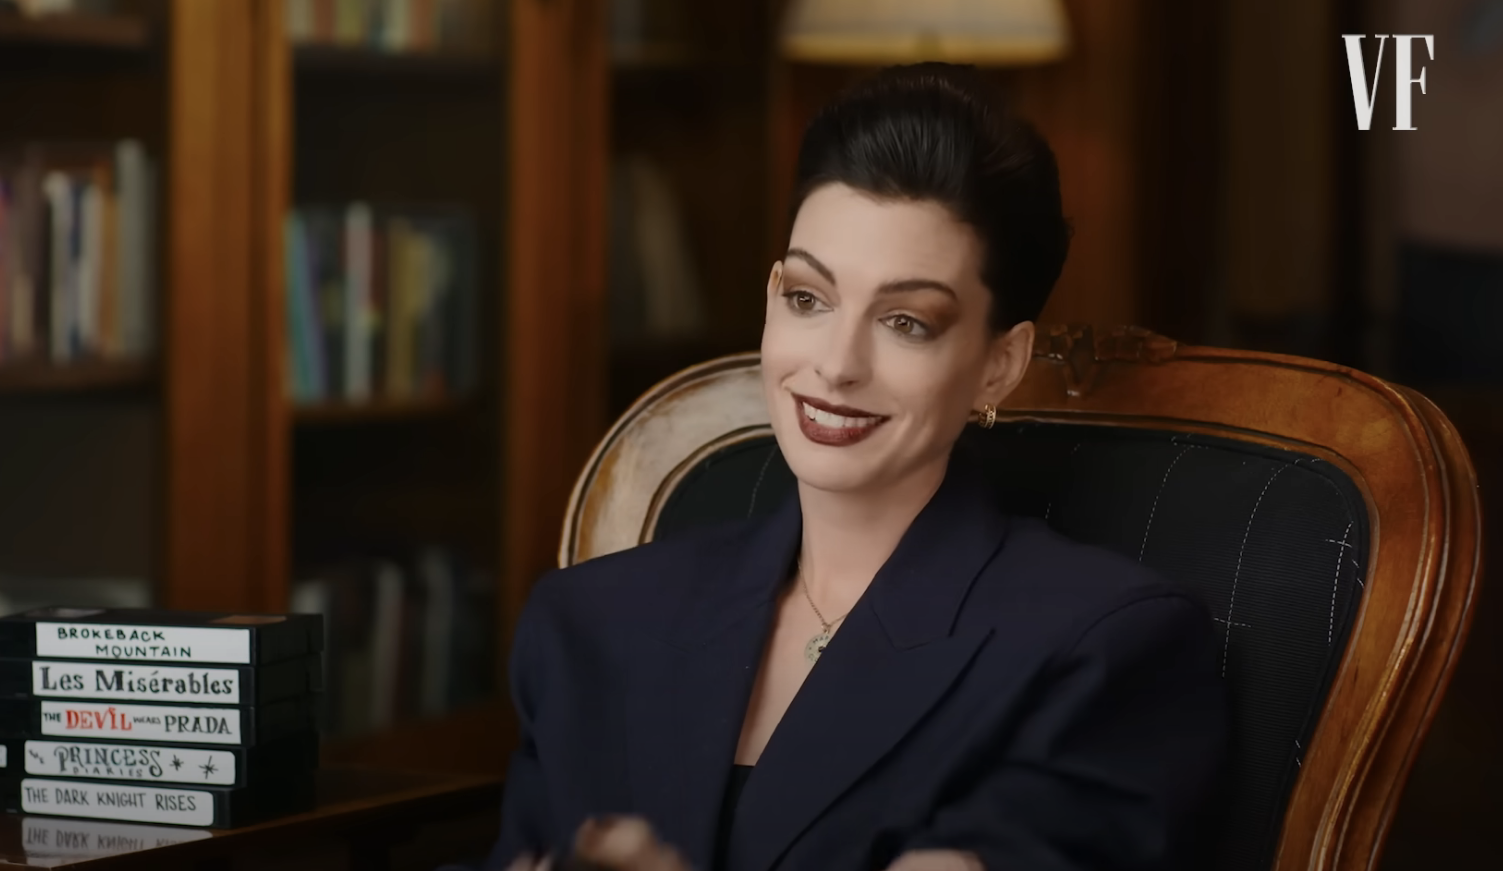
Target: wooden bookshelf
{"points": [[114, 32], [685, 109], [33, 379], [246, 126], [478, 738]]}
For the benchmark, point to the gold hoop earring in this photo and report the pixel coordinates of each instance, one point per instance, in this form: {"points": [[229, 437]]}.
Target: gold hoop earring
{"points": [[987, 416]]}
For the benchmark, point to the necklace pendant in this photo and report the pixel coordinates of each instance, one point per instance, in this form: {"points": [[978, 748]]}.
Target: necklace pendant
{"points": [[816, 645]]}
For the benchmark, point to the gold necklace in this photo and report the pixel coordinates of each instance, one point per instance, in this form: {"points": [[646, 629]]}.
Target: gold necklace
{"points": [[821, 639]]}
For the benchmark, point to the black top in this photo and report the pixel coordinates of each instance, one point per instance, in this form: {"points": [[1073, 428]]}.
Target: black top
{"points": [[739, 775]]}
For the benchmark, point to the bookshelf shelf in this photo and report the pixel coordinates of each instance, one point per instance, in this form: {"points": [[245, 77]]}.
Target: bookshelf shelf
{"points": [[116, 32], [658, 56], [81, 377], [377, 410], [475, 738], [359, 62]]}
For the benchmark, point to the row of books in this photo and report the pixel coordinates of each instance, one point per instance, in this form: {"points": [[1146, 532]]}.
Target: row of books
{"points": [[407, 638], [655, 289], [392, 25], [39, 8], [381, 303], [77, 252]]}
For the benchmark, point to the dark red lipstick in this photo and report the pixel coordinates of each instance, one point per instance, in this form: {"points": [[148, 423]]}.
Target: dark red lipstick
{"points": [[823, 433]]}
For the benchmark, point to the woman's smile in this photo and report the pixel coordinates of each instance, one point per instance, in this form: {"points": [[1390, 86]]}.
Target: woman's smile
{"points": [[834, 425]]}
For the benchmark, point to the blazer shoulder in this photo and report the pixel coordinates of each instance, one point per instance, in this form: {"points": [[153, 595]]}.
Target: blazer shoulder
{"points": [[637, 579], [1079, 583]]}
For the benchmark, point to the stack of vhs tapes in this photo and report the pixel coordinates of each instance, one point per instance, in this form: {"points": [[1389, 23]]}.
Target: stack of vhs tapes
{"points": [[152, 716]]}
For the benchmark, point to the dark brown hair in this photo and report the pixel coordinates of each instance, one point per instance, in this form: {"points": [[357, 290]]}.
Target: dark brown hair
{"points": [[936, 132]]}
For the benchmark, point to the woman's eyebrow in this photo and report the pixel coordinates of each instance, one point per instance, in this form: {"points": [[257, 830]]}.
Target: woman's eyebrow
{"points": [[910, 284], [813, 261]]}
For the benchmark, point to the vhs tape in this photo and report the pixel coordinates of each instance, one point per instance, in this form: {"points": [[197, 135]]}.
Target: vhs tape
{"points": [[160, 763], [166, 724], [55, 841], [214, 807], [149, 682], [151, 635]]}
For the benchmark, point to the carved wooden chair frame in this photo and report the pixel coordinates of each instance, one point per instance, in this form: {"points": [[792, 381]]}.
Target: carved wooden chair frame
{"points": [[1402, 453]]}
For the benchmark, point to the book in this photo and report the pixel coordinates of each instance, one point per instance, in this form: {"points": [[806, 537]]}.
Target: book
{"points": [[382, 302], [133, 682], [410, 636], [395, 26], [76, 252], [148, 634]]}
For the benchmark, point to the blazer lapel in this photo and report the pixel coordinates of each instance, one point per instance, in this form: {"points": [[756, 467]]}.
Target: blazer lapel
{"points": [[891, 662], [689, 698]]}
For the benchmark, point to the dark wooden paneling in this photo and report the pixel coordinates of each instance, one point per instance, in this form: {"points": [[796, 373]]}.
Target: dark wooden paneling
{"points": [[209, 307], [553, 322]]}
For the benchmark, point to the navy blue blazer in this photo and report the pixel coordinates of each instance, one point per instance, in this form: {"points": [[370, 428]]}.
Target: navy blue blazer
{"points": [[998, 689]]}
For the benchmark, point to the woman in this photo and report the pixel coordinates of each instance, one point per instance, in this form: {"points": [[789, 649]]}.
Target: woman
{"points": [[888, 673]]}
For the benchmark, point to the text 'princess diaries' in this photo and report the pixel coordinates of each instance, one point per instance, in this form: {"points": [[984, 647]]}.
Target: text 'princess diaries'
{"points": [[131, 762]]}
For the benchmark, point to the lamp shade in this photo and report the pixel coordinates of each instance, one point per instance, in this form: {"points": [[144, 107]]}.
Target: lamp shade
{"points": [[982, 32]]}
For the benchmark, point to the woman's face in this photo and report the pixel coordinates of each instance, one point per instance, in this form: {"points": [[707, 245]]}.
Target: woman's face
{"points": [[877, 344]]}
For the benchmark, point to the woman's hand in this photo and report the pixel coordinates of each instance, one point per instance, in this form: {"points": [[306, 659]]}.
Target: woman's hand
{"points": [[612, 844], [936, 860], [625, 844], [629, 844]]}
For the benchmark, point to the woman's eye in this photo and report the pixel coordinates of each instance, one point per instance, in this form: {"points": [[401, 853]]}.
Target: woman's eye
{"points": [[802, 301], [907, 325]]}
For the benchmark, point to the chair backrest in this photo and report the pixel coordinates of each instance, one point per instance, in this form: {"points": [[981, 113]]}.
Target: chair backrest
{"points": [[1328, 519]]}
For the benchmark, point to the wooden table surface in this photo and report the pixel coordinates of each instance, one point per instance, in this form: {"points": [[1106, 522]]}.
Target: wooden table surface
{"points": [[371, 809]]}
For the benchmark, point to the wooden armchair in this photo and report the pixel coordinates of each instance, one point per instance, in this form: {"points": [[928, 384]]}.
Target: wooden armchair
{"points": [[1328, 519]]}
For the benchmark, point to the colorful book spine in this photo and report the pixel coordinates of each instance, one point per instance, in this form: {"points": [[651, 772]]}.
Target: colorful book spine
{"points": [[77, 226], [381, 304]]}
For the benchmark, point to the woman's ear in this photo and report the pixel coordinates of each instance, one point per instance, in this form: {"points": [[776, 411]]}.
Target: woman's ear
{"points": [[774, 287], [1007, 359]]}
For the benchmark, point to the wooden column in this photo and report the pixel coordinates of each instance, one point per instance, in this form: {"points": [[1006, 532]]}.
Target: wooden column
{"points": [[269, 564], [207, 332], [553, 321]]}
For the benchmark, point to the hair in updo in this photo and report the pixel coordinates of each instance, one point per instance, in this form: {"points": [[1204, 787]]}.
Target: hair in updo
{"points": [[934, 131]]}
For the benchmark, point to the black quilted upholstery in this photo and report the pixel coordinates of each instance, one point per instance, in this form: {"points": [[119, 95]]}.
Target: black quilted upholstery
{"points": [[1273, 542]]}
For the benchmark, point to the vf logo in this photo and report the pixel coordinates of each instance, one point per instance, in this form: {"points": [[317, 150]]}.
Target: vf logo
{"points": [[1364, 97]]}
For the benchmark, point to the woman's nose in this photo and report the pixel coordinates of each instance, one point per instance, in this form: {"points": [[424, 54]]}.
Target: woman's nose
{"points": [[845, 357]]}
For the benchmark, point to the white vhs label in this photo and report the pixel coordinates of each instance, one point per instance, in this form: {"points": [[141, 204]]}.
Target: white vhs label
{"points": [[131, 762], [141, 683], [141, 722], [155, 643], [138, 804], [45, 838]]}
